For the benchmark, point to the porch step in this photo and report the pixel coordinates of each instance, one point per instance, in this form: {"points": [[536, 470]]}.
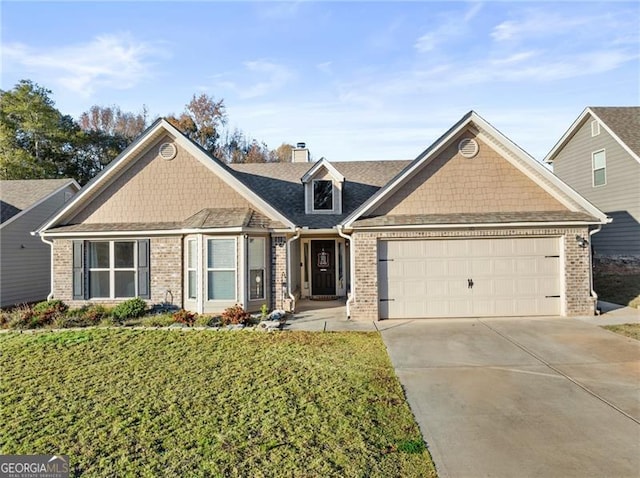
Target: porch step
{"points": [[324, 297]]}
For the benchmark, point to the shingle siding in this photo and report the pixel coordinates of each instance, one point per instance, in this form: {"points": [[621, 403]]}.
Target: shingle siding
{"points": [[619, 198]]}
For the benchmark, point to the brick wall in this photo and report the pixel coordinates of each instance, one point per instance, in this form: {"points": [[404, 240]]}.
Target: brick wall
{"points": [[166, 271], [576, 259]]}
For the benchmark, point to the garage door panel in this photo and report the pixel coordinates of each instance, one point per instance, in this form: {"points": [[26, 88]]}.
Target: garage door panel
{"points": [[429, 278]]}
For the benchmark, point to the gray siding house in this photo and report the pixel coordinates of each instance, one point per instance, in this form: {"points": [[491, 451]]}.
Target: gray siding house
{"points": [[599, 157], [25, 261]]}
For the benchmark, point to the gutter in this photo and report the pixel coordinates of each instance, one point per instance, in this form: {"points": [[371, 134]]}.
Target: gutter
{"points": [[50, 243], [352, 270], [592, 292], [288, 268]]}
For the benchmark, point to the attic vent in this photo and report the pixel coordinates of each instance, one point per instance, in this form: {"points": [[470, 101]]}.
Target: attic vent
{"points": [[168, 151], [468, 147]]}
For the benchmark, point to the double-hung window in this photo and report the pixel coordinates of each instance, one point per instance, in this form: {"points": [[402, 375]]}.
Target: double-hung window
{"points": [[112, 269], [256, 268], [599, 162], [221, 269], [192, 269], [322, 195]]}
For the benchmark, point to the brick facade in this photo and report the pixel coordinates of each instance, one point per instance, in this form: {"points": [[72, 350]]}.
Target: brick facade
{"points": [[166, 272], [278, 270], [576, 264]]}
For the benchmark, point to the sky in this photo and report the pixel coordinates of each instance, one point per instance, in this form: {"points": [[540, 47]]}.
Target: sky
{"points": [[354, 80]]}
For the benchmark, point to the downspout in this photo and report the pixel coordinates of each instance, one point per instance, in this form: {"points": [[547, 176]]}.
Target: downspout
{"points": [[352, 270], [593, 294], [288, 268], [50, 243]]}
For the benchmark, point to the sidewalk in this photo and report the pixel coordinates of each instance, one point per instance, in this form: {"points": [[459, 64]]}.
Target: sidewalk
{"points": [[613, 314]]}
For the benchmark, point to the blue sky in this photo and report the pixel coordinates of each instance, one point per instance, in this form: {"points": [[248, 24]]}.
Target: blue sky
{"points": [[355, 80]]}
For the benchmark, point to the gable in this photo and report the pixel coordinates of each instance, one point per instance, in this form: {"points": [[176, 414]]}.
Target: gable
{"points": [[452, 184], [154, 189]]}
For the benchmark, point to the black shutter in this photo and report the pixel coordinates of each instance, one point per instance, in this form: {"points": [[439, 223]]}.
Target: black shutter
{"points": [[78, 270], [143, 269]]}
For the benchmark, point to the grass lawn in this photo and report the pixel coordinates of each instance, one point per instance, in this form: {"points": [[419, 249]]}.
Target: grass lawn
{"points": [[630, 330], [203, 403], [623, 289]]}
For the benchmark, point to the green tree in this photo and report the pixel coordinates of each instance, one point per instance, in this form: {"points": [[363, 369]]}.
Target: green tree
{"points": [[36, 140]]}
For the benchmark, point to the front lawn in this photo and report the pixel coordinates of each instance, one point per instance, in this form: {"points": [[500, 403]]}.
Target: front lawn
{"points": [[630, 330], [202, 403]]}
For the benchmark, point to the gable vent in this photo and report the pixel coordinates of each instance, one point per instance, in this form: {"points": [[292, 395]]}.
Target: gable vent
{"points": [[468, 147], [168, 151]]}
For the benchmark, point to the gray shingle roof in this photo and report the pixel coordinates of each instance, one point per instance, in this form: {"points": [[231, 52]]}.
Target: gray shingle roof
{"points": [[624, 121], [478, 218], [279, 184], [18, 195]]}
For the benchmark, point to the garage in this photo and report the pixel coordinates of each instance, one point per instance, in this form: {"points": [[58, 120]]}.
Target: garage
{"points": [[493, 277]]}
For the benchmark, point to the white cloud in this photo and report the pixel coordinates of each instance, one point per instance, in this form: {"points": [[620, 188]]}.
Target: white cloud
{"points": [[541, 23], [263, 77], [453, 25], [108, 61]]}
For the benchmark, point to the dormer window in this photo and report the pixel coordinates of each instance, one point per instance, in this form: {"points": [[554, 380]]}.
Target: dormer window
{"points": [[322, 195]]}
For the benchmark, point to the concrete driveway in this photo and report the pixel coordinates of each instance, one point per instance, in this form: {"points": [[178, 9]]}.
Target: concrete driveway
{"points": [[521, 397]]}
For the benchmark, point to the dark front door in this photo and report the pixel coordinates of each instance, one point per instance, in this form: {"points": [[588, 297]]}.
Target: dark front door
{"points": [[323, 267]]}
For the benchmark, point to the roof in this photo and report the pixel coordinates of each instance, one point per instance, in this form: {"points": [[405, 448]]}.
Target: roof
{"points": [[509, 150], [540, 217], [621, 122], [280, 185], [209, 218], [20, 195]]}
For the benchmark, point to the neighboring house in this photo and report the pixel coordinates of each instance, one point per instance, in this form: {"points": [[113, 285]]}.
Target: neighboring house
{"points": [[472, 227], [25, 261], [599, 157]]}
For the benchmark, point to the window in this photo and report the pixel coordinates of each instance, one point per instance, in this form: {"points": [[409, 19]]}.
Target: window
{"points": [[256, 268], [221, 269], [595, 128], [322, 195], [599, 168], [112, 269], [192, 267]]}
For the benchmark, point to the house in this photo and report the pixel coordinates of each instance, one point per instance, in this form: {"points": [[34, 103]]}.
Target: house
{"points": [[25, 261], [472, 227], [599, 157]]}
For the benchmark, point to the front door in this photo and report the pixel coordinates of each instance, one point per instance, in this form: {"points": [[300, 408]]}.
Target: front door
{"points": [[323, 267]]}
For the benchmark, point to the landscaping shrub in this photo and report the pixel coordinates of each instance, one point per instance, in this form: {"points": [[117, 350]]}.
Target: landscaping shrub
{"points": [[207, 321], [185, 317], [129, 309], [21, 317], [46, 312], [235, 315], [85, 316]]}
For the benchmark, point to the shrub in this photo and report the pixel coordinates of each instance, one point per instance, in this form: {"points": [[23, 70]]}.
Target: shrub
{"points": [[264, 311], [85, 316], [46, 312], [129, 309], [21, 317], [235, 315], [185, 317]]}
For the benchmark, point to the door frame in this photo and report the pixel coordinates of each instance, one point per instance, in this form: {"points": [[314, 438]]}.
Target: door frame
{"points": [[306, 277]]}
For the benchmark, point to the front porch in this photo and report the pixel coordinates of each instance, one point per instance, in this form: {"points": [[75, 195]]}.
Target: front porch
{"points": [[325, 315]]}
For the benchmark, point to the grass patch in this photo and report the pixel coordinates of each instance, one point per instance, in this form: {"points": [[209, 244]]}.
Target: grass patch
{"points": [[198, 403], [629, 330], [623, 289]]}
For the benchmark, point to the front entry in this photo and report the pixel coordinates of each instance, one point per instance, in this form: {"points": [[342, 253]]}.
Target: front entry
{"points": [[323, 267]]}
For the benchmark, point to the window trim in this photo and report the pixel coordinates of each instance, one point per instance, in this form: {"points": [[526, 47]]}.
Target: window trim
{"points": [[193, 269], [593, 168], [208, 269], [263, 268], [112, 269], [313, 196]]}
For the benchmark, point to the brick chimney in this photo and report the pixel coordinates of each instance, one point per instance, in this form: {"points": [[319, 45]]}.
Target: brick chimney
{"points": [[300, 154]]}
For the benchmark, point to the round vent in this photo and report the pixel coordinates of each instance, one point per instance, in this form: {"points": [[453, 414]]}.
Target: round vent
{"points": [[168, 151], [468, 147]]}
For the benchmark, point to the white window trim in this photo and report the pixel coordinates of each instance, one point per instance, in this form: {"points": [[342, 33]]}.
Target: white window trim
{"points": [[263, 269], [313, 197], [112, 271], [208, 269], [595, 128], [593, 168], [193, 269]]}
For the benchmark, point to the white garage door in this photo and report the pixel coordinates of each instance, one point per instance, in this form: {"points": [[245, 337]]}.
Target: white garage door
{"points": [[469, 278]]}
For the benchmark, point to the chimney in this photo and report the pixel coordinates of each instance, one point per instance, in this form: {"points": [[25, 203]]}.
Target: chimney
{"points": [[300, 154]]}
